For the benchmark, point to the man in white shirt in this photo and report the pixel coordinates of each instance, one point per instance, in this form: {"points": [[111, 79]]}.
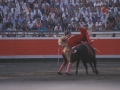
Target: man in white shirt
{"points": [[90, 27], [96, 3], [98, 25], [31, 2], [104, 20], [58, 28], [30, 24]]}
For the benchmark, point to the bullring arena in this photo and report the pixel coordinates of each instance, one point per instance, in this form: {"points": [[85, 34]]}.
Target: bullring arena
{"points": [[32, 64], [29, 52]]}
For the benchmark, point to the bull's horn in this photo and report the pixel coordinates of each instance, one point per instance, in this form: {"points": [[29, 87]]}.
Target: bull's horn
{"points": [[73, 47], [74, 51]]}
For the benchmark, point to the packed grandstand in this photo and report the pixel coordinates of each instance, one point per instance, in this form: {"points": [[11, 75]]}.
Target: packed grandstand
{"points": [[54, 16]]}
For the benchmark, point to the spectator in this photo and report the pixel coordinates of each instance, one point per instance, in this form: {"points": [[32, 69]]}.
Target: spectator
{"points": [[55, 20], [67, 18], [38, 23], [9, 23], [1, 26], [11, 28], [65, 25], [64, 15], [36, 5], [95, 18], [4, 8], [99, 12], [102, 3], [113, 12], [75, 2], [71, 28], [84, 12], [103, 28], [18, 27], [81, 23], [111, 21], [113, 35], [90, 25], [37, 13], [21, 19], [117, 17], [49, 17], [94, 35], [34, 28], [44, 16], [1, 15], [13, 18], [3, 35], [98, 25], [56, 34], [31, 3], [30, 13], [96, 3], [74, 18], [110, 3], [42, 28], [64, 8], [44, 23], [45, 4], [88, 18], [50, 34], [4, 27], [23, 34], [49, 28], [11, 35], [58, 28], [104, 20], [118, 23], [47, 10], [71, 14], [25, 27], [58, 12], [52, 14], [26, 9], [74, 24], [30, 24], [77, 13], [34, 34], [51, 24], [41, 34], [81, 17]]}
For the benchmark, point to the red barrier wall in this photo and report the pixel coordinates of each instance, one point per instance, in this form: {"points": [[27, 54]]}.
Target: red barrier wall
{"points": [[50, 46]]}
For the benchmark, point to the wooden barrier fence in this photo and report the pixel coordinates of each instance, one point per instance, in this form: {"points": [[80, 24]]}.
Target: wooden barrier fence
{"points": [[49, 46]]}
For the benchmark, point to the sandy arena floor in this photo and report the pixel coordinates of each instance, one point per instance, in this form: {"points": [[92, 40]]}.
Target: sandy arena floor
{"points": [[43, 76]]}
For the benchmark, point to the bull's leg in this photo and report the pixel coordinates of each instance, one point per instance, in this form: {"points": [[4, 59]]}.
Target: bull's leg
{"points": [[86, 67], [92, 67], [96, 71], [77, 65]]}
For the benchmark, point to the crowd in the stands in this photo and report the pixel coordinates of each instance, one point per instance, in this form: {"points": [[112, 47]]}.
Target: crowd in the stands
{"points": [[58, 15]]}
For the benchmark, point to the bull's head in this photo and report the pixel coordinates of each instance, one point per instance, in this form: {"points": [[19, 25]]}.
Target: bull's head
{"points": [[73, 57]]}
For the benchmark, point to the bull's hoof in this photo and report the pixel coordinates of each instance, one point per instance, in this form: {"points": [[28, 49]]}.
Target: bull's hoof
{"points": [[97, 73], [86, 74], [76, 73], [59, 73], [68, 74]]}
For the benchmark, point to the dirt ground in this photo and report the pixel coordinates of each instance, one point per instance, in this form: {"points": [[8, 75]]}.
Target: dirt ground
{"points": [[28, 76]]}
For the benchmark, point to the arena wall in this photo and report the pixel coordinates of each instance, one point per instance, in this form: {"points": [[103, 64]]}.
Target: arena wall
{"points": [[48, 47]]}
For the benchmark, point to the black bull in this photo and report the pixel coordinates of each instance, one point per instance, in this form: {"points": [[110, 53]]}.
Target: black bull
{"points": [[86, 53]]}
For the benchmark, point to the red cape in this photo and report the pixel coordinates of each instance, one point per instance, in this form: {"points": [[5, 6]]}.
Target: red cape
{"points": [[76, 39]]}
